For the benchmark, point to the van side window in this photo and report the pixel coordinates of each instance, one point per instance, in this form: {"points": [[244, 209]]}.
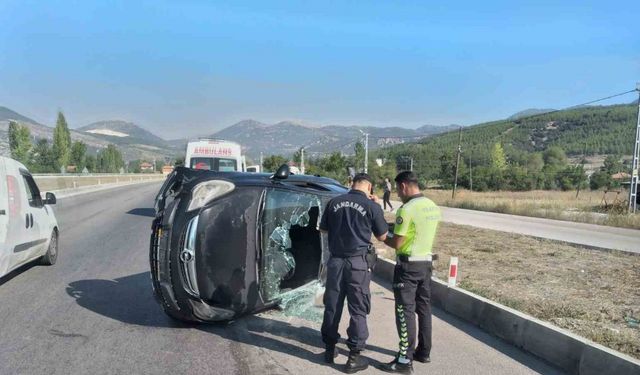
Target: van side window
{"points": [[33, 193]]}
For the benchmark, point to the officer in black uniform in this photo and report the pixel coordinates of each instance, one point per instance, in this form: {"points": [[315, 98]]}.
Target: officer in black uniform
{"points": [[350, 219]]}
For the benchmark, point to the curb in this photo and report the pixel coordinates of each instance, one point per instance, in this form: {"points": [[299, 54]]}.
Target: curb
{"points": [[565, 350]]}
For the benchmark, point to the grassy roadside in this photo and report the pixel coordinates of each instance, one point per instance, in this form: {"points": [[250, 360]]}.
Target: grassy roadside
{"points": [[588, 207], [594, 294]]}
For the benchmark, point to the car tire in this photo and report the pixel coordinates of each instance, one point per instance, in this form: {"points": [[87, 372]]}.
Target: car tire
{"points": [[51, 256]]}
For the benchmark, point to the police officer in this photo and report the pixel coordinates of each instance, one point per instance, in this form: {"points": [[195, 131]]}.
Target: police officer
{"points": [[350, 219], [413, 235]]}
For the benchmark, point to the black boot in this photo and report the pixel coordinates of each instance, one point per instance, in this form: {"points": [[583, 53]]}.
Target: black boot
{"points": [[397, 367], [422, 357], [355, 363], [330, 354]]}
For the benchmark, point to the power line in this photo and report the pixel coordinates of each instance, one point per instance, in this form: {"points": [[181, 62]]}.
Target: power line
{"points": [[519, 118], [573, 106]]}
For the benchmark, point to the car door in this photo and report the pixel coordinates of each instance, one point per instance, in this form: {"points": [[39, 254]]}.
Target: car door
{"points": [[291, 243]]}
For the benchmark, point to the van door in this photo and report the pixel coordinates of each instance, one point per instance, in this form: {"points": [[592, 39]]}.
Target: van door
{"points": [[19, 237], [4, 219], [35, 222]]}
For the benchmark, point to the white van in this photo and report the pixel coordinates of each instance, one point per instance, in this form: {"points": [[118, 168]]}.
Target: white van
{"points": [[28, 226], [214, 155]]}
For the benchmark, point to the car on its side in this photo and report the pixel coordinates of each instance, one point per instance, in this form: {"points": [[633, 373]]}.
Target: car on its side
{"points": [[28, 227], [225, 244]]}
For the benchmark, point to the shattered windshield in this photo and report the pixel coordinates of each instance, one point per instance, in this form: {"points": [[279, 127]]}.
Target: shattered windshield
{"points": [[291, 242]]}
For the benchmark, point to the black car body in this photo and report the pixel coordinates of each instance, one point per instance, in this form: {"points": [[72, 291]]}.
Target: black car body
{"points": [[225, 244]]}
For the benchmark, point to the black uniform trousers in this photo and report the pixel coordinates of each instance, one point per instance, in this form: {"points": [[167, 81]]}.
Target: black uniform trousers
{"points": [[347, 278], [412, 292]]}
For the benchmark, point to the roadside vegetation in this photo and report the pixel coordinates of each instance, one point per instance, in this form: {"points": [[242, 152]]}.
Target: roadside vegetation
{"points": [[594, 207], [529, 153], [43, 157], [594, 294]]}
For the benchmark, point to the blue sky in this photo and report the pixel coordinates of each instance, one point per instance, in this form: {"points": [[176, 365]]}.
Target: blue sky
{"points": [[191, 67]]}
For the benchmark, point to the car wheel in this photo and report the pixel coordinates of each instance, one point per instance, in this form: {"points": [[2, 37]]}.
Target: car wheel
{"points": [[49, 259]]}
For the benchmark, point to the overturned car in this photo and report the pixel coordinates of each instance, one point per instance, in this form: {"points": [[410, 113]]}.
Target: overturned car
{"points": [[225, 244]]}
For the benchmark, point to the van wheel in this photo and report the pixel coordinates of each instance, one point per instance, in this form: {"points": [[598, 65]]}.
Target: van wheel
{"points": [[49, 259]]}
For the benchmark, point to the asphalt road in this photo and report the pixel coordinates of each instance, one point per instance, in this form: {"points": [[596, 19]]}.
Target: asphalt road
{"points": [[590, 235], [578, 233], [94, 313]]}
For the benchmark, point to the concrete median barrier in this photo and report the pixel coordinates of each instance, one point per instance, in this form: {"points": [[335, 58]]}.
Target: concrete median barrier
{"points": [[66, 186], [570, 353]]}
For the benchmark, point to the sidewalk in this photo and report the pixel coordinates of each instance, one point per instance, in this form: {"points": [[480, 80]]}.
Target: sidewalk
{"points": [[278, 344]]}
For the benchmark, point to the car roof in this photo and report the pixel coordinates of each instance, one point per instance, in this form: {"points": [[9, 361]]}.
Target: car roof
{"points": [[9, 161]]}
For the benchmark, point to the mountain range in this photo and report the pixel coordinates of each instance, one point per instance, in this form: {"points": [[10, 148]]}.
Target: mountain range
{"points": [[287, 137], [256, 137], [565, 128]]}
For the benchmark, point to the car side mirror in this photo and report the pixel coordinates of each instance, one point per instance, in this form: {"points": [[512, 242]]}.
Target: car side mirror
{"points": [[50, 198], [282, 172]]}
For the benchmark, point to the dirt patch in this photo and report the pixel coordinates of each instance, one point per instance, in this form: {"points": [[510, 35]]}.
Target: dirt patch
{"points": [[594, 294]]}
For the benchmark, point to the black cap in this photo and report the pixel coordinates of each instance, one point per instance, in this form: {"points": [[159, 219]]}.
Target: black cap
{"points": [[362, 177]]}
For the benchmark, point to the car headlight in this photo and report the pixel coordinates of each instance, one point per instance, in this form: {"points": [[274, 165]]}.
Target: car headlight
{"points": [[204, 192]]}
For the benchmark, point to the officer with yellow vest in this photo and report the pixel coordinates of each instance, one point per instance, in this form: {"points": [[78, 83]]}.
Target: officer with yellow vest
{"points": [[413, 235]]}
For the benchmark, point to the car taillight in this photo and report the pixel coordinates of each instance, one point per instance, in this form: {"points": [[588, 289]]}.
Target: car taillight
{"points": [[14, 196]]}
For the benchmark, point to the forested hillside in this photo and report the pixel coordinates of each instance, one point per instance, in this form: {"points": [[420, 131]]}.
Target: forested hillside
{"points": [[525, 153]]}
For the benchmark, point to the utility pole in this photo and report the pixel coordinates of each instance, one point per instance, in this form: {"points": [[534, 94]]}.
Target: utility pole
{"points": [[411, 167], [302, 160], [366, 152], [470, 175], [633, 187], [584, 156], [261, 161], [455, 181]]}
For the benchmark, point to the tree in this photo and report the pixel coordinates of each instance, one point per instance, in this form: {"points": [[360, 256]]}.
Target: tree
{"points": [[612, 164], [42, 160], [134, 166], [572, 178], [498, 159], [78, 155], [61, 142], [335, 163], [535, 163], [554, 157], [273, 162], [90, 163], [379, 173], [110, 160], [600, 179], [19, 142]]}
